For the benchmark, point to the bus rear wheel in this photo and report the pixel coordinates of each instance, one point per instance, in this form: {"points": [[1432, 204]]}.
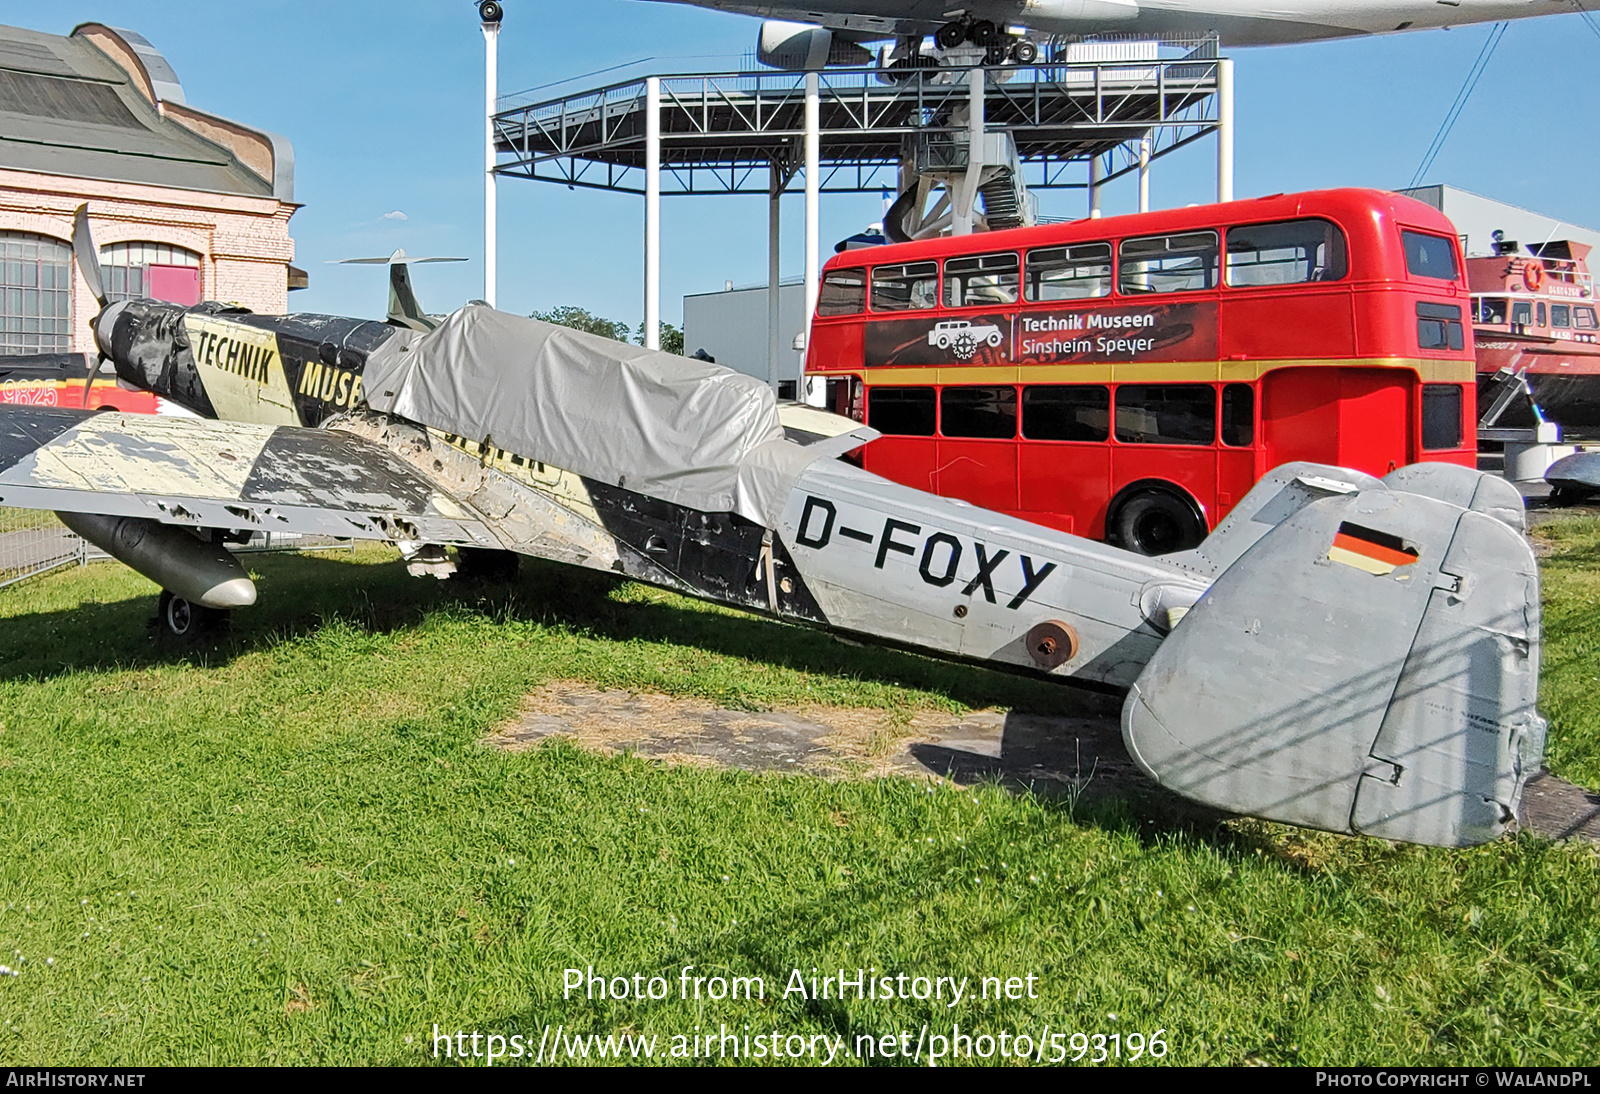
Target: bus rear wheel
{"points": [[1155, 522]]}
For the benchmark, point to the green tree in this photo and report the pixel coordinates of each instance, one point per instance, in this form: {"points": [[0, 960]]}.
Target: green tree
{"points": [[582, 319], [567, 315], [671, 338]]}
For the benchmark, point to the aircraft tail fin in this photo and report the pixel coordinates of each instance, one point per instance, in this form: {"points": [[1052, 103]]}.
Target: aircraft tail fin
{"points": [[1380, 677], [404, 310]]}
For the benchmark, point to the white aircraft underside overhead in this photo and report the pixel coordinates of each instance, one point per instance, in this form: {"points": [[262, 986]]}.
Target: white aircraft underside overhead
{"points": [[1236, 22]]}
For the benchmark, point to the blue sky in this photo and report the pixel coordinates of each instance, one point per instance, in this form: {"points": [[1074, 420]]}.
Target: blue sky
{"points": [[383, 103]]}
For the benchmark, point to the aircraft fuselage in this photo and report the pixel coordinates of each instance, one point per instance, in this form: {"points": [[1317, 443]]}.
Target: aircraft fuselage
{"points": [[1236, 22]]}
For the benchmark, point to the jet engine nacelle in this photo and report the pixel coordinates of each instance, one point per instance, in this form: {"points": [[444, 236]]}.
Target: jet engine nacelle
{"points": [[804, 47], [1095, 12]]}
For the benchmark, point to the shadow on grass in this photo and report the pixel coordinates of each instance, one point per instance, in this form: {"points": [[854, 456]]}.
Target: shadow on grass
{"points": [[303, 593]]}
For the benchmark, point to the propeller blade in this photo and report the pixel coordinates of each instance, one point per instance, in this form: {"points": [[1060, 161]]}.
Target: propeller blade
{"points": [[88, 255]]}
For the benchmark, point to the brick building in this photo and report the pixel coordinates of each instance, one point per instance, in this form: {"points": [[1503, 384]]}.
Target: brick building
{"points": [[184, 205]]}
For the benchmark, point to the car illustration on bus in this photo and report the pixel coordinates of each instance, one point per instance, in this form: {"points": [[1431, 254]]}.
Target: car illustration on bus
{"points": [[963, 337]]}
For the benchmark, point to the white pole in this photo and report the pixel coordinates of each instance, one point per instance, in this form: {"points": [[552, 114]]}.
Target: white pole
{"points": [[964, 206], [652, 213], [1144, 173], [1224, 129], [813, 209], [491, 36], [774, 316], [1096, 173]]}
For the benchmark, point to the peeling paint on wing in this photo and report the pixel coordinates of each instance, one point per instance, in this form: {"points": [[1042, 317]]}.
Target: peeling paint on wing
{"points": [[305, 466]]}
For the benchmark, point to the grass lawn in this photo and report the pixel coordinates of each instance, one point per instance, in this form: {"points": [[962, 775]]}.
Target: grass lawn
{"points": [[294, 849]]}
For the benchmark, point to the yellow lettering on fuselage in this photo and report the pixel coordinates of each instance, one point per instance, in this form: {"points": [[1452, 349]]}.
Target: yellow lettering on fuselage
{"points": [[330, 385], [241, 369]]}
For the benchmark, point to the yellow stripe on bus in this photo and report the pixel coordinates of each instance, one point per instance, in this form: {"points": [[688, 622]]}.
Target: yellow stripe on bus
{"points": [[1430, 371]]}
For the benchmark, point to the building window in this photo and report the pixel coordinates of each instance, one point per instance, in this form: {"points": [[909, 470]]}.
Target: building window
{"points": [[127, 269], [35, 294]]}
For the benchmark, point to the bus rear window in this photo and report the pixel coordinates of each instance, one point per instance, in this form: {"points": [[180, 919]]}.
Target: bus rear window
{"points": [[901, 411], [1287, 253], [1066, 412], [978, 412], [1430, 256], [905, 288], [981, 279], [1441, 416], [1166, 414], [1079, 272], [1180, 263], [844, 292]]}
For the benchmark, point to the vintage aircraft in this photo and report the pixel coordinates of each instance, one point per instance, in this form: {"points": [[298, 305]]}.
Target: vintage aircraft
{"points": [[817, 32], [1343, 652]]}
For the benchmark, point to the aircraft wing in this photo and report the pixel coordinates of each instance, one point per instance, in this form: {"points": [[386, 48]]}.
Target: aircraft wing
{"points": [[209, 474]]}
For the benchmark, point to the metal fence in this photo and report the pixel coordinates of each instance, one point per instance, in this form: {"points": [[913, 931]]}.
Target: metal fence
{"points": [[33, 542]]}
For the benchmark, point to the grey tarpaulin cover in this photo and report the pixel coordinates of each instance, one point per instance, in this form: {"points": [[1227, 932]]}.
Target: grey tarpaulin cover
{"points": [[663, 425]]}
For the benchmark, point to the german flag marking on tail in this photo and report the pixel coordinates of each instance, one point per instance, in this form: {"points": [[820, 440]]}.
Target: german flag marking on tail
{"points": [[1365, 549]]}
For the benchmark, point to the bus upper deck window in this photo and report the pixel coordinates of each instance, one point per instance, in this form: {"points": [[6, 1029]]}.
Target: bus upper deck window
{"points": [[1178, 263], [1430, 256], [844, 292], [910, 287], [901, 411], [1081, 271], [981, 279], [1287, 253]]}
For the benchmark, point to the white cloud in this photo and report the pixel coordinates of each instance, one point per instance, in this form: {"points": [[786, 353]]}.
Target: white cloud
{"points": [[395, 215]]}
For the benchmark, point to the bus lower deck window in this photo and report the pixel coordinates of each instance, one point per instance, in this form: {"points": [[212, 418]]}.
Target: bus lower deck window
{"points": [[901, 411], [1238, 415], [1441, 416], [978, 412], [1066, 412], [1166, 414]]}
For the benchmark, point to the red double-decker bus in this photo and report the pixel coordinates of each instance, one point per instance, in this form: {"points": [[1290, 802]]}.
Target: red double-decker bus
{"points": [[1130, 378]]}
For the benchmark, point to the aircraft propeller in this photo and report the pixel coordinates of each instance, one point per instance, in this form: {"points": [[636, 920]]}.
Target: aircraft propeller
{"points": [[88, 256]]}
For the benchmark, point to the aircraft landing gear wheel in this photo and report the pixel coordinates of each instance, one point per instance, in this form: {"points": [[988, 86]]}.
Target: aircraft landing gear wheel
{"points": [[949, 36], [981, 33], [1154, 522], [185, 623], [1025, 52], [995, 53]]}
